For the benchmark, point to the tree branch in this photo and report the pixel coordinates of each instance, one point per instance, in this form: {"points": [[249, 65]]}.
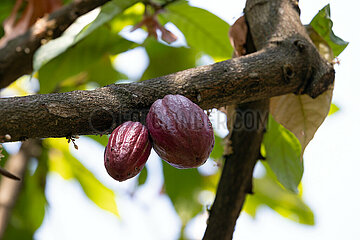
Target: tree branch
{"points": [[236, 177], [257, 76], [269, 22], [16, 58]]}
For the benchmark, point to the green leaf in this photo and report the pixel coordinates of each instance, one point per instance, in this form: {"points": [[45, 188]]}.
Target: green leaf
{"points": [[183, 187], [322, 24], [3, 156], [58, 46], [29, 211], [203, 30], [142, 177], [218, 149], [130, 16], [84, 56], [164, 60], [63, 162], [290, 205], [283, 154], [107, 13], [103, 73], [103, 140], [333, 109], [5, 10]]}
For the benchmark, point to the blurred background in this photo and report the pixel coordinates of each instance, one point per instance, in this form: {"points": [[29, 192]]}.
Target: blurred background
{"points": [[84, 202]]}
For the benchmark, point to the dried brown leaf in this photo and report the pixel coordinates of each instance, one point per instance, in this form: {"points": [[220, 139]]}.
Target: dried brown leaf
{"points": [[301, 114], [34, 10], [237, 34], [167, 36]]}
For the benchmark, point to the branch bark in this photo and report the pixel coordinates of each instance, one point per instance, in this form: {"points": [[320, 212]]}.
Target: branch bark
{"points": [[236, 178], [256, 76], [16, 58], [269, 22]]}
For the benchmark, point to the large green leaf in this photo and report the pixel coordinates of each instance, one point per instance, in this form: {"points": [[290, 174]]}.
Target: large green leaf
{"points": [[290, 205], [164, 60], [107, 13], [58, 46], [203, 30], [130, 17], [64, 163], [283, 154], [29, 211], [84, 56], [183, 187], [322, 24]]}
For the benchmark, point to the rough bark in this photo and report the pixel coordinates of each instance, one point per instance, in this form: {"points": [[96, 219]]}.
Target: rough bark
{"points": [[270, 22], [256, 76], [16, 58], [236, 177]]}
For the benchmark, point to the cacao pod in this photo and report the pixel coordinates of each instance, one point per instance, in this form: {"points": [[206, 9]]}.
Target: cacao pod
{"points": [[127, 150], [181, 132]]}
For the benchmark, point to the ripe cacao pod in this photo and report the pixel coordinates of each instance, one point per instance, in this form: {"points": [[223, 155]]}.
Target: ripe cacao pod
{"points": [[127, 150], [181, 132]]}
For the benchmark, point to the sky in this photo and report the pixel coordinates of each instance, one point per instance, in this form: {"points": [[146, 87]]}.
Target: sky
{"points": [[330, 182]]}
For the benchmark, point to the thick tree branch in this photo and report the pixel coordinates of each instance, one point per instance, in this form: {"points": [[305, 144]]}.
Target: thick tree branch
{"points": [[16, 58], [257, 76], [236, 178], [269, 22]]}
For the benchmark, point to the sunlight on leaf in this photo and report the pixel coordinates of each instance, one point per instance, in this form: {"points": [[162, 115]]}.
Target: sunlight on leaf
{"points": [[107, 13], [333, 109], [290, 205], [103, 140], [71, 37], [85, 56], [64, 163], [203, 30], [322, 24], [301, 114]]}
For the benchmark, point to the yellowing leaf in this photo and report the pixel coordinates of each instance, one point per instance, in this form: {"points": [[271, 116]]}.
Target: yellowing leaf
{"points": [[64, 163], [333, 109], [58, 163], [301, 114]]}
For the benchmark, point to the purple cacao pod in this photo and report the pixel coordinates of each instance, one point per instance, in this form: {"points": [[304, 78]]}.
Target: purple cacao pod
{"points": [[127, 150], [181, 132]]}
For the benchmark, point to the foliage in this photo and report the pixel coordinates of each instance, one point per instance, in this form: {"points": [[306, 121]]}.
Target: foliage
{"points": [[82, 59], [301, 114]]}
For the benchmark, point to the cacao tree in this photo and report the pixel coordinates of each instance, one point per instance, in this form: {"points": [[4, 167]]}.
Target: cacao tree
{"points": [[64, 89]]}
